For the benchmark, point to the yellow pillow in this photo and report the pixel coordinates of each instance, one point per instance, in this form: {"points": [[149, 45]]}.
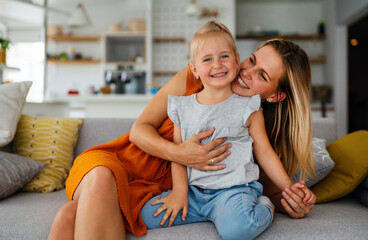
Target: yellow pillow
{"points": [[350, 154], [49, 140]]}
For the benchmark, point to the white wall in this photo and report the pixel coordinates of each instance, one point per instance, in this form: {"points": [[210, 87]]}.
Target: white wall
{"points": [[169, 20], [349, 11], [284, 16]]}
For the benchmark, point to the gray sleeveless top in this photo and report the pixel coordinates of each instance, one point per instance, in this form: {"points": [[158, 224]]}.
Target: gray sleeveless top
{"points": [[229, 118]]}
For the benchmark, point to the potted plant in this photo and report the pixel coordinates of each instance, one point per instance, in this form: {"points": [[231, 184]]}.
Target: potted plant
{"points": [[4, 45]]}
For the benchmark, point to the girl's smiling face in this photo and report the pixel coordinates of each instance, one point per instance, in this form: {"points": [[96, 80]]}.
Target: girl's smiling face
{"points": [[215, 61]]}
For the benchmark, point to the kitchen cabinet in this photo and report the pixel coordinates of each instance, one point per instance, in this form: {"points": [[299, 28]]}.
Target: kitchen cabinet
{"points": [[125, 48]]}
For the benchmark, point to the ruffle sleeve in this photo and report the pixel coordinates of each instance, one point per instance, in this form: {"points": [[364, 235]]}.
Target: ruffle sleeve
{"points": [[253, 105], [173, 109]]}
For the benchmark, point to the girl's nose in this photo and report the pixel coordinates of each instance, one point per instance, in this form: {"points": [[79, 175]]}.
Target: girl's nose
{"points": [[217, 63]]}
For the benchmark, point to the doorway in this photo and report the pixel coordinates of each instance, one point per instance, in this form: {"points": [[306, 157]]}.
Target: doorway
{"points": [[358, 75]]}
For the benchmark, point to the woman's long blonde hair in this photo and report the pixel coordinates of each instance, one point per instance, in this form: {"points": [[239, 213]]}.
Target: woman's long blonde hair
{"points": [[288, 123]]}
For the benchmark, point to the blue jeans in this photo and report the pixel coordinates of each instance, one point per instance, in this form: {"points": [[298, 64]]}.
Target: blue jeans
{"points": [[235, 211]]}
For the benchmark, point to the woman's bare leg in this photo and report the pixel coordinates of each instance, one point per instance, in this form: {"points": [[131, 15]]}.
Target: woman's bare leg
{"points": [[63, 224], [97, 213]]}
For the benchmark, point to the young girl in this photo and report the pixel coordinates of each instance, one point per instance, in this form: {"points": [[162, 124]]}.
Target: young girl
{"points": [[231, 197]]}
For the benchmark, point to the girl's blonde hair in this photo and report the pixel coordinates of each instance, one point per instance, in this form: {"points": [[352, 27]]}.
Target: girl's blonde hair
{"points": [[288, 123], [210, 27]]}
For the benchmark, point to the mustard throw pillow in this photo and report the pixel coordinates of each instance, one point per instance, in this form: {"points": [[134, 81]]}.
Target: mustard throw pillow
{"points": [[49, 140], [350, 154]]}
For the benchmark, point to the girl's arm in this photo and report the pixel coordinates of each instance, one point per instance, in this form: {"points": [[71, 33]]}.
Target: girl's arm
{"points": [[190, 153], [290, 201], [178, 198], [264, 153]]}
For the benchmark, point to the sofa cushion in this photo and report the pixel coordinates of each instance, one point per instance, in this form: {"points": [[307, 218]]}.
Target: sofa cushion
{"points": [[12, 98], [49, 140], [350, 154], [15, 172], [322, 162]]}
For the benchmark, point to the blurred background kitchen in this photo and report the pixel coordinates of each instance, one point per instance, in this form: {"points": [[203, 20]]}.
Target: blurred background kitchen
{"points": [[93, 58]]}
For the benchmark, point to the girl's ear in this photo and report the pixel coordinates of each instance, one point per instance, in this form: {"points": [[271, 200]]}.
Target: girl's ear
{"points": [[194, 70]]}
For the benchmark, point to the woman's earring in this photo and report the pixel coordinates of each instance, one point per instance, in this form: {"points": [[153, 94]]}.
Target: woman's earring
{"points": [[197, 77], [269, 100]]}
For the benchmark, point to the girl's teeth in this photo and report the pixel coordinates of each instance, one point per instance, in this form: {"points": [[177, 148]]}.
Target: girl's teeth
{"points": [[219, 75]]}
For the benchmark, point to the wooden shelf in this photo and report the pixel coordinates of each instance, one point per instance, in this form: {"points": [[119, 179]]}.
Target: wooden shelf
{"points": [[320, 59], [73, 62], [284, 36], [75, 38], [125, 63], [162, 73], [126, 34], [168, 39]]}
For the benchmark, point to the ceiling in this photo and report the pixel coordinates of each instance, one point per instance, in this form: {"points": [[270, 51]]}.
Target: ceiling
{"points": [[15, 14]]}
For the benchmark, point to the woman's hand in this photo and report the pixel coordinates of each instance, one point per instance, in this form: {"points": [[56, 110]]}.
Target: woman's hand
{"points": [[298, 201], [172, 204], [202, 157]]}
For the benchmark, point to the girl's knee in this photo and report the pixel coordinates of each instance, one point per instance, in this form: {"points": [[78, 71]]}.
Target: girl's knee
{"points": [[238, 231], [247, 226]]}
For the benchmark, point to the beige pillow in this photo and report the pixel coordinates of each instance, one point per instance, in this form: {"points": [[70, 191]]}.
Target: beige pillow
{"points": [[12, 98], [51, 141]]}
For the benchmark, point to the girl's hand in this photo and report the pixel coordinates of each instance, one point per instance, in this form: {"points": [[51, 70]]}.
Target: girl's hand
{"points": [[172, 203], [192, 154], [309, 197], [298, 200]]}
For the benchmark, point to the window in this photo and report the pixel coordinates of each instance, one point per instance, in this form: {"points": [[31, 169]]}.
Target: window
{"points": [[29, 58]]}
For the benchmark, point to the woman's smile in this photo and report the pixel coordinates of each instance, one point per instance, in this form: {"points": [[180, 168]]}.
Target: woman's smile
{"points": [[241, 83]]}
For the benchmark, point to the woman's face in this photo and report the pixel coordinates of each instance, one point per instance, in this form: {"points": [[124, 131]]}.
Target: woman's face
{"points": [[259, 74]]}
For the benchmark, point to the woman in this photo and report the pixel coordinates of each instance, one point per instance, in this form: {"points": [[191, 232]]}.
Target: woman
{"points": [[120, 176]]}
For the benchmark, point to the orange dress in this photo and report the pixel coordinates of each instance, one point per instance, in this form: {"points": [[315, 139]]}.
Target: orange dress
{"points": [[139, 176]]}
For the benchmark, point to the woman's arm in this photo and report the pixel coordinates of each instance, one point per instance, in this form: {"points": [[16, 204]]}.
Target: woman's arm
{"points": [[178, 198], [190, 153]]}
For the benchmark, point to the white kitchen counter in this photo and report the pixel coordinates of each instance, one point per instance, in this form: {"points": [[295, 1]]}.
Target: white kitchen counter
{"points": [[92, 106]]}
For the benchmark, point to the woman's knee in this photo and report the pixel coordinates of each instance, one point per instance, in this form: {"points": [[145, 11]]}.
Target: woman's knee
{"points": [[100, 181], [64, 220]]}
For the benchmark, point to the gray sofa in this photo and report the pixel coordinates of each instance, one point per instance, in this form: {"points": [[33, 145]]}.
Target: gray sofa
{"points": [[29, 215]]}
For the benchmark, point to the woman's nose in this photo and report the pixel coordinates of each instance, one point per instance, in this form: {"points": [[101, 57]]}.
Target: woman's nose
{"points": [[247, 73]]}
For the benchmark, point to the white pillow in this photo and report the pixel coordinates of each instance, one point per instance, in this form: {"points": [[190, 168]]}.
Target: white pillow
{"points": [[322, 163], [12, 98]]}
